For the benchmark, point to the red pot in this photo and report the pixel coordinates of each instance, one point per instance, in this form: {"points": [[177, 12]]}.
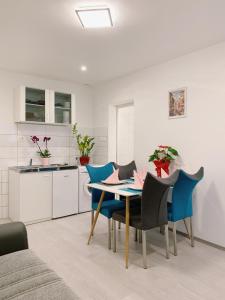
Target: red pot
{"points": [[84, 160], [162, 164]]}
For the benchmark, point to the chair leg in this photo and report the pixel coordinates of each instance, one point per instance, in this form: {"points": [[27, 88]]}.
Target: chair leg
{"points": [[114, 235], [162, 229], [144, 249], [186, 226], [109, 234], [92, 218], [175, 238], [191, 233], [135, 235], [167, 241], [139, 236]]}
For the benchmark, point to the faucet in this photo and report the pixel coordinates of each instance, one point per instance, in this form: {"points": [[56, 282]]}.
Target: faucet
{"points": [[31, 160]]}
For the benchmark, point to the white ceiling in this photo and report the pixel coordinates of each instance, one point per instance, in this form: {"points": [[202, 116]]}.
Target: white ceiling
{"points": [[44, 37]]}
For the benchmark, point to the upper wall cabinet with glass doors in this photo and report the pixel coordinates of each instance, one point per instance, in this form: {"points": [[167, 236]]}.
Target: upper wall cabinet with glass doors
{"points": [[62, 108], [41, 106]]}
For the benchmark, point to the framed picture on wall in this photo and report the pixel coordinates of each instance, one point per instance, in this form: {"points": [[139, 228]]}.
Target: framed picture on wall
{"points": [[177, 103]]}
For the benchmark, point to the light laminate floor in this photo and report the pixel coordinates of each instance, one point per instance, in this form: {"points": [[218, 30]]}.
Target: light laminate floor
{"points": [[96, 273]]}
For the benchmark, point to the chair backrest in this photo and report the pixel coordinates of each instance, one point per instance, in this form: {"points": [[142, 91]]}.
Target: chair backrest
{"points": [[97, 174], [181, 206], [154, 203], [170, 180], [126, 171]]}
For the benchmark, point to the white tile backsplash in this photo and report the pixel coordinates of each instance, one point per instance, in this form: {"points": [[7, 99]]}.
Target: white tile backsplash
{"points": [[100, 153], [4, 190], [8, 140], [4, 212], [8, 152], [4, 201], [59, 141], [25, 129], [4, 221], [25, 141], [7, 162], [5, 175], [58, 130], [101, 131]]}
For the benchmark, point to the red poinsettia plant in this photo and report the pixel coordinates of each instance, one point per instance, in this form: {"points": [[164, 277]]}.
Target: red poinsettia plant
{"points": [[162, 157], [44, 153]]}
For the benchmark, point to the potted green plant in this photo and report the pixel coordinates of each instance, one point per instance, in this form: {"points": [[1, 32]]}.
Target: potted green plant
{"points": [[44, 153], [162, 158], [85, 145]]}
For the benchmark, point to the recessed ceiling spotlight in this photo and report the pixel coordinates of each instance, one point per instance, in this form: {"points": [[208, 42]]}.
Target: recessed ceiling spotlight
{"points": [[95, 17], [83, 68]]}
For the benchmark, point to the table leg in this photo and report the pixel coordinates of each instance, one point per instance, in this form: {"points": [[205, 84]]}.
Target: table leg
{"points": [[92, 218], [127, 230], [96, 216]]}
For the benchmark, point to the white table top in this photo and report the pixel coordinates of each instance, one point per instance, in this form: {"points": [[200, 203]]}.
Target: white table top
{"points": [[118, 189], [115, 189]]}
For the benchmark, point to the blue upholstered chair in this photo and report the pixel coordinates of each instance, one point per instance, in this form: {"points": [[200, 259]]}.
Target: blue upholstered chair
{"points": [[180, 207], [109, 204]]}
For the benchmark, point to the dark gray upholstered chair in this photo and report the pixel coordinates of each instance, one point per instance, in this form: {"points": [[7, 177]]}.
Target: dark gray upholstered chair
{"points": [[13, 237], [126, 171], [153, 210]]}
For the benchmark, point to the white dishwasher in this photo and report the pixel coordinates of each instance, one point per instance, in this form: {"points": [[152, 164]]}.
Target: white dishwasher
{"points": [[65, 193]]}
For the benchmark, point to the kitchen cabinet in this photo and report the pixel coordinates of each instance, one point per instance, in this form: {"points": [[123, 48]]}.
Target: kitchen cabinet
{"points": [[65, 193], [42, 193], [32, 105], [30, 196], [62, 108], [44, 106]]}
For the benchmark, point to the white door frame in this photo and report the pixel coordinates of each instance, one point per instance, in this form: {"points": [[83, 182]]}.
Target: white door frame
{"points": [[112, 129]]}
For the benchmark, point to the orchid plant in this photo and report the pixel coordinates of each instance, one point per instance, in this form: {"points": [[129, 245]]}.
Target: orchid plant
{"points": [[44, 153], [164, 153]]}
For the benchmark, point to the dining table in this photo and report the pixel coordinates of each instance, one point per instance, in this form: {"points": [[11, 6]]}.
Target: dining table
{"points": [[123, 189]]}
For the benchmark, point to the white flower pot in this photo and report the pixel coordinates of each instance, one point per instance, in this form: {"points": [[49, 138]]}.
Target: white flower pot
{"points": [[45, 161]]}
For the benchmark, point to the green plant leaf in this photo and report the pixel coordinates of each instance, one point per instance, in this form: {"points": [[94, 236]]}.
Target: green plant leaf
{"points": [[173, 151], [164, 154], [85, 143]]}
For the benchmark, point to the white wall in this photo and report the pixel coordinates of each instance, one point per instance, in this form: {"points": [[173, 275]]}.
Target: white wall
{"points": [[199, 137], [15, 145]]}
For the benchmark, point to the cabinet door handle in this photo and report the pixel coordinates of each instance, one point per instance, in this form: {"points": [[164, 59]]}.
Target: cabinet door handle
{"points": [[66, 175]]}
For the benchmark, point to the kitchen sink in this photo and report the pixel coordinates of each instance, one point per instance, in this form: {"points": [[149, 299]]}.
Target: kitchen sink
{"points": [[40, 168]]}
